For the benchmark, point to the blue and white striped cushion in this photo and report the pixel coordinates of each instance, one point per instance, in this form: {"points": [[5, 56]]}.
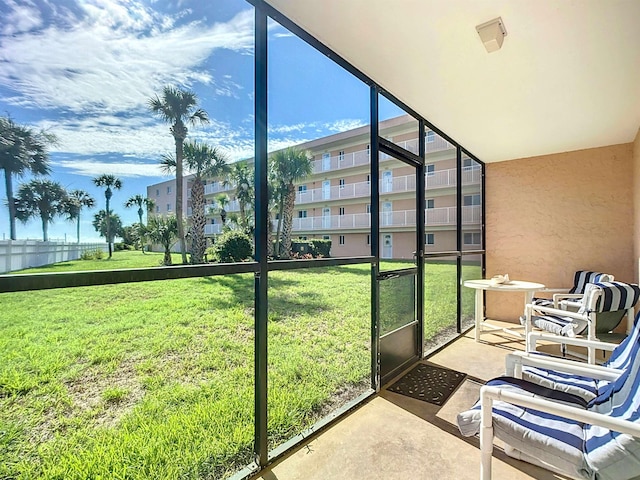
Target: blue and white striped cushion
{"points": [[585, 387], [583, 277], [559, 325], [556, 440], [616, 296]]}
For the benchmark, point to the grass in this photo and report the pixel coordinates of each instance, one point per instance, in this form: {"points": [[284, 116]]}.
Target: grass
{"points": [[155, 379]]}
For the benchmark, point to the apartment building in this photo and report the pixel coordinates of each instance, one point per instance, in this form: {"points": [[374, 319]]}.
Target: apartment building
{"points": [[334, 202]]}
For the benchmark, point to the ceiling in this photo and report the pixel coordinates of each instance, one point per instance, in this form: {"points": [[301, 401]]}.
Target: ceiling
{"points": [[566, 78]]}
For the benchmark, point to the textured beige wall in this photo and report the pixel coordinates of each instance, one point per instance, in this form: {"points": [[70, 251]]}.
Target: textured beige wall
{"points": [[636, 203], [551, 215]]}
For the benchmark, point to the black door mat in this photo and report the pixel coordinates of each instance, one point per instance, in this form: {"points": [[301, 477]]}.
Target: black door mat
{"points": [[428, 383]]}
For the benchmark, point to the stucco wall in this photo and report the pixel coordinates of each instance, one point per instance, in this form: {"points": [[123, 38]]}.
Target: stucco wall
{"points": [[636, 202], [551, 215]]}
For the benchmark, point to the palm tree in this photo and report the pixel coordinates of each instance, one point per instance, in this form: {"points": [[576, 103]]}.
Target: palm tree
{"points": [[110, 229], [40, 198], [76, 201], [163, 230], [143, 203], [203, 161], [242, 177], [22, 150], [108, 181], [178, 107], [222, 201], [289, 166]]}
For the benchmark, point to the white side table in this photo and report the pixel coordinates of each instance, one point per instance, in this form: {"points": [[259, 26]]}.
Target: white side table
{"points": [[513, 286]]}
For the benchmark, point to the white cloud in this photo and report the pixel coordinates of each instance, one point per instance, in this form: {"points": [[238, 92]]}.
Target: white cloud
{"points": [[92, 168], [20, 18], [115, 57]]}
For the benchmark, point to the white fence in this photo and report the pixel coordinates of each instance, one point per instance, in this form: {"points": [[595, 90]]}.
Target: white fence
{"points": [[21, 254]]}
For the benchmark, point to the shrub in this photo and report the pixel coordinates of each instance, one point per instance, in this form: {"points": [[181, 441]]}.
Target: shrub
{"points": [[231, 246], [96, 254], [320, 248]]}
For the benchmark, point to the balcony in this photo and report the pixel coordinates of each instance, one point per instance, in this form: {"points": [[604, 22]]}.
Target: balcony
{"points": [[407, 183], [444, 216], [218, 187], [213, 229], [361, 157]]}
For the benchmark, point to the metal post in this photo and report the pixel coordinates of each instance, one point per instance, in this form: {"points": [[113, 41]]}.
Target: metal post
{"points": [[261, 238], [375, 239], [420, 233]]}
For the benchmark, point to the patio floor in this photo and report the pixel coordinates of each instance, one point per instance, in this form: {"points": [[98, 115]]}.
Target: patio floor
{"points": [[397, 437]]}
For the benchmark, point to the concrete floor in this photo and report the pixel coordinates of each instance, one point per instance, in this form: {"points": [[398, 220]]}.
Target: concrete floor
{"points": [[397, 437]]}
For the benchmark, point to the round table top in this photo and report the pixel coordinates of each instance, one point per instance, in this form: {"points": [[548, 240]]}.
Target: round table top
{"points": [[511, 286]]}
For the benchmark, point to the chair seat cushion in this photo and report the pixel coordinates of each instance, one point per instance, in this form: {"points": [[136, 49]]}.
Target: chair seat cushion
{"points": [[583, 387], [565, 326], [554, 440]]}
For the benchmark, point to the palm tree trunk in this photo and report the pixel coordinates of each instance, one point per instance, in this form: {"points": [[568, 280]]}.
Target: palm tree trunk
{"points": [[287, 221], [108, 228], [179, 153], [198, 219], [45, 229], [78, 227], [269, 236], [8, 182], [278, 247]]}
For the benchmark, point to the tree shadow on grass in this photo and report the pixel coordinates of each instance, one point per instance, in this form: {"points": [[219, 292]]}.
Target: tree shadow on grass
{"points": [[284, 301]]}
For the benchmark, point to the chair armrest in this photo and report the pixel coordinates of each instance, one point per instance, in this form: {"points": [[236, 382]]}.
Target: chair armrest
{"points": [[557, 311], [516, 360], [575, 341], [488, 394]]}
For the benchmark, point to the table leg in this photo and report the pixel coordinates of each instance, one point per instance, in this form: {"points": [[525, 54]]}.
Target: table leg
{"points": [[479, 312], [528, 298]]}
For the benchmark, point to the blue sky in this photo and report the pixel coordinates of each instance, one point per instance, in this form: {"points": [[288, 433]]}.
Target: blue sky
{"points": [[84, 70]]}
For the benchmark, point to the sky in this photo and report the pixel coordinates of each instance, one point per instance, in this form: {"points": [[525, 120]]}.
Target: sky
{"points": [[85, 71]]}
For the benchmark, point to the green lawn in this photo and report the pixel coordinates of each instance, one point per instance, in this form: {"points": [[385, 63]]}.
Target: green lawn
{"points": [[155, 379]]}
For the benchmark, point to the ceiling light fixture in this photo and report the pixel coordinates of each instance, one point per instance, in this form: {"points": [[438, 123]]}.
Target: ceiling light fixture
{"points": [[492, 34]]}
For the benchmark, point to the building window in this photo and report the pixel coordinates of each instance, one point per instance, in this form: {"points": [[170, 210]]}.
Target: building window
{"points": [[368, 150], [302, 237], [168, 189], [341, 211], [472, 238], [341, 183], [213, 221], [368, 208], [326, 237], [302, 214], [157, 192], [341, 155], [157, 208], [467, 162], [429, 238], [431, 203], [168, 207], [368, 239], [431, 136], [302, 188], [431, 168], [341, 240], [368, 179], [470, 200]]}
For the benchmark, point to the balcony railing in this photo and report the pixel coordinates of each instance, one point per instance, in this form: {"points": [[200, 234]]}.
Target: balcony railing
{"points": [[406, 183], [210, 229], [218, 187], [362, 157], [443, 216]]}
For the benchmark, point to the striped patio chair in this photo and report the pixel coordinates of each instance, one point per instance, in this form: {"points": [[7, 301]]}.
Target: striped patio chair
{"points": [[586, 382], [598, 298], [595, 440], [580, 280]]}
